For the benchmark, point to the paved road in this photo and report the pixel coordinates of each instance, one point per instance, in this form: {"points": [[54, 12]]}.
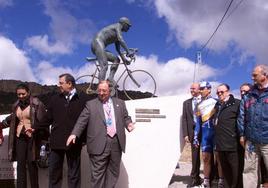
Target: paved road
{"points": [[181, 176]]}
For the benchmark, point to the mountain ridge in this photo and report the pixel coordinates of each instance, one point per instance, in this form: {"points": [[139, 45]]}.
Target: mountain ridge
{"points": [[44, 93]]}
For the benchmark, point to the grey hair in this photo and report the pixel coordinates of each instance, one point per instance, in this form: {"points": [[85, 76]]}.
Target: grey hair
{"points": [[264, 69]]}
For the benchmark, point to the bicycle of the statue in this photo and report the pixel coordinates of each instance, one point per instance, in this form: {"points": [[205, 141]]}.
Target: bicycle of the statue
{"points": [[133, 80]]}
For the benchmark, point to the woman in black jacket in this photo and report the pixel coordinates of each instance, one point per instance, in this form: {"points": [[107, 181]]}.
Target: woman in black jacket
{"points": [[24, 136]]}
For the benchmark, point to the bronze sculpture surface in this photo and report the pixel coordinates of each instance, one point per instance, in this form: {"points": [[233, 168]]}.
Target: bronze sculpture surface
{"points": [[111, 34]]}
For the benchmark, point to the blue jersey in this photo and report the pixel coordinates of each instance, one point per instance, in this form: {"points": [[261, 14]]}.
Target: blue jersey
{"points": [[204, 123]]}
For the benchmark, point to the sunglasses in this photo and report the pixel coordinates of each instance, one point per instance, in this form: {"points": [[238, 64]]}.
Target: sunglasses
{"points": [[220, 92], [202, 88]]}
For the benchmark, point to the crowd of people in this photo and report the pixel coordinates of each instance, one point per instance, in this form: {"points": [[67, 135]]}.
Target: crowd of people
{"points": [[232, 134], [69, 120]]}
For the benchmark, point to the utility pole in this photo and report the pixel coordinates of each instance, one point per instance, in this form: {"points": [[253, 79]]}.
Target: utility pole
{"points": [[197, 64]]}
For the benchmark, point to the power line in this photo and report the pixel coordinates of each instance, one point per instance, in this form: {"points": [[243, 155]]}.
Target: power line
{"points": [[217, 26], [232, 11], [224, 18]]}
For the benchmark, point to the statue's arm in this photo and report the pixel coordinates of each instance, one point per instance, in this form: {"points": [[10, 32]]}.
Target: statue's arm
{"points": [[117, 47], [121, 41]]}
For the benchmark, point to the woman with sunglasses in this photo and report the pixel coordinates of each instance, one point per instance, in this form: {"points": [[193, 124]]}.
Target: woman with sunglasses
{"points": [[24, 135]]}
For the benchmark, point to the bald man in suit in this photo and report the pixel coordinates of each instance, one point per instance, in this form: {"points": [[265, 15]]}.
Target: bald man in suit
{"points": [[188, 125], [105, 119]]}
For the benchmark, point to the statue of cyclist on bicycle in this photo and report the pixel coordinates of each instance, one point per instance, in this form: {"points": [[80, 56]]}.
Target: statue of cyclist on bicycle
{"points": [[106, 36]]}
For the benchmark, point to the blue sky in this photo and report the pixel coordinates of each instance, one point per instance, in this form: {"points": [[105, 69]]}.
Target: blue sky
{"points": [[40, 39]]}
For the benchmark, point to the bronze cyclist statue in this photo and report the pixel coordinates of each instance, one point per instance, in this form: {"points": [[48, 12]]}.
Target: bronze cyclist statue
{"points": [[106, 36]]}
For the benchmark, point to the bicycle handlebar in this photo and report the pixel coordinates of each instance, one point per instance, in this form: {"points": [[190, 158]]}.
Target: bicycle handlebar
{"points": [[131, 55]]}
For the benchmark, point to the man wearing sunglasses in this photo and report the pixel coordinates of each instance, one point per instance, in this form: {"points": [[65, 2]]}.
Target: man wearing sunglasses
{"points": [[253, 127], [226, 138]]}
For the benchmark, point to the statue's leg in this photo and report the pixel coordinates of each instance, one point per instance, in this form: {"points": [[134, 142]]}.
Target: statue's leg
{"points": [[115, 60], [100, 53]]}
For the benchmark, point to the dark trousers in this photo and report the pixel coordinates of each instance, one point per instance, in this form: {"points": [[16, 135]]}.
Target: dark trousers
{"points": [[106, 166], [25, 157], [195, 162], [56, 159], [241, 157], [230, 167], [264, 175]]}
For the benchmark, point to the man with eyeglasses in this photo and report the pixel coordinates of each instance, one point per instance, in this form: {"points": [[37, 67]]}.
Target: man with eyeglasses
{"points": [[226, 138], [63, 111], [205, 113], [188, 126], [253, 127]]}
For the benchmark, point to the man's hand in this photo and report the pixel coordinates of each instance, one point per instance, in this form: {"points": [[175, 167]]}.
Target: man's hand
{"points": [[242, 141], [186, 139], [71, 140], [196, 142], [130, 127], [29, 132]]}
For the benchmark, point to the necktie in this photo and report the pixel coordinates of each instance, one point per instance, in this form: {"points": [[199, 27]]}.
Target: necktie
{"points": [[109, 119], [68, 98], [195, 101]]}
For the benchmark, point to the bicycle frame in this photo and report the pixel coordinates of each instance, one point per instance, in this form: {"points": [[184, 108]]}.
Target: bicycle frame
{"points": [[119, 78]]}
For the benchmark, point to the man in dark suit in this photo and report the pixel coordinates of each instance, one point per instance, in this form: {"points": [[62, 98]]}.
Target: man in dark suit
{"points": [[188, 125], [62, 112], [226, 137], [105, 119]]}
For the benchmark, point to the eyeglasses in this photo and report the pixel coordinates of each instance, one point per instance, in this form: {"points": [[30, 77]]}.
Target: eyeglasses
{"points": [[220, 92], [202, 88]]}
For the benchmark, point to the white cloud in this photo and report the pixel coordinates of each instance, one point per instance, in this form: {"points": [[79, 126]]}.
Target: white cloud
{"points": [[66, 31], [172, 77], [192, 22], [41, 44], [14, 63], [6, 3], [48, 74]]}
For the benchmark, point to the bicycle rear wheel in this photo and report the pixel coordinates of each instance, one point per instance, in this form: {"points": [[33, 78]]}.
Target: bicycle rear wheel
{"points": [[139, 83], [91, 87]]}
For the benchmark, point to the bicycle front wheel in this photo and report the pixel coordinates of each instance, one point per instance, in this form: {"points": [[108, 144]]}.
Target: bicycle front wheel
{"points": [[139, 84], [88, 83]]}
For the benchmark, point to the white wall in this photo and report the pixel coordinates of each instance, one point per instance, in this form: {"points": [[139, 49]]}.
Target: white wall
{"points": [[152, 150]]}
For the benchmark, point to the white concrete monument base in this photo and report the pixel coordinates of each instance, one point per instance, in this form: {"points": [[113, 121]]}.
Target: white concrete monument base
{"points": [[152, 150]]}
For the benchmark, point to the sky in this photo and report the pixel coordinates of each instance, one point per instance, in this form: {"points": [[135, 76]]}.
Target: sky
{"points": [[41, 39]]}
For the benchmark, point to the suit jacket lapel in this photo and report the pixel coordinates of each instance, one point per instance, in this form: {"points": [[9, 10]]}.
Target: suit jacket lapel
{"points": [[190, 106], [99, 107]]}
